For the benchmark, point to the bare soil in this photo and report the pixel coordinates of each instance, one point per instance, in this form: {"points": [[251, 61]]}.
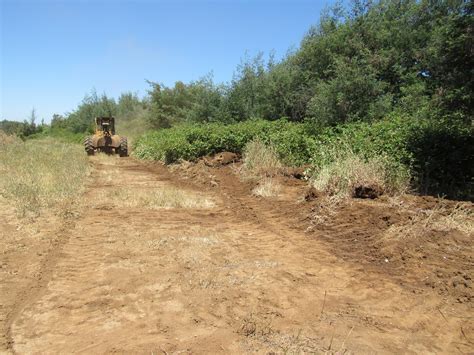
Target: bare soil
{"points": [[248, 274]]}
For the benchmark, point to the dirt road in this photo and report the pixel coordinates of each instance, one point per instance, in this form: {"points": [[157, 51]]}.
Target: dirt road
{"points": [[224, 276]]}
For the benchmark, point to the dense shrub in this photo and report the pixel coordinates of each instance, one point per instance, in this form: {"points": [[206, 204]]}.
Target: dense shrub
{"points": [[189, 142], [443, 159], [388, 137], [438, 155], [59, 134]]}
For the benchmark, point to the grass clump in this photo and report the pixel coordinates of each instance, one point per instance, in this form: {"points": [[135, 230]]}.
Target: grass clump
{"points": [[443, 217], [267, 187], [350, 175], [164, 197], [260, 159], [261, 162], [40, 174]]}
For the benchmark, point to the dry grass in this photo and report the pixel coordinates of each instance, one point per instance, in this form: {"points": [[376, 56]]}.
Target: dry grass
{"points": [[156, 198], [267, 187], [326, 209], [6, 139], [262, 335], [349, 171], [260, 160], [442, 218], [41, 174], [461, 218], [105, 159]]}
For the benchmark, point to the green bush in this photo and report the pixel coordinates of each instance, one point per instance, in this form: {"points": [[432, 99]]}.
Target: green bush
{"points": [[189, 142], [59, 134], [388, 137], [438, 154], [443, 159]]}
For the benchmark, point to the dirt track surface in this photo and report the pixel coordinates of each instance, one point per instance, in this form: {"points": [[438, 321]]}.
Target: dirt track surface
{"points": [[238, 277]]}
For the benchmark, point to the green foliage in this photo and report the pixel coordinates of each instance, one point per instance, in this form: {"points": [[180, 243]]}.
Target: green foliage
{"points": [[198, 101], [23, 130], [387, 137], [443, 159], [246, 95], [450, 59], [14, 127], [128, 105], [128, 108], [59, 134], [438, 154], [190, 142], [354, 94], [82, 119]]}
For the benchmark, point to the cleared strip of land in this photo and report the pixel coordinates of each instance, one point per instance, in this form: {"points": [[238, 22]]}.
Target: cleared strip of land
{"points": [[226, 272]]}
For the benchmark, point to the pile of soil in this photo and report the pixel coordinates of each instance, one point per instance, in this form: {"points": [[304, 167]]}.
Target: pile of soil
{"points": [[221, 159]]}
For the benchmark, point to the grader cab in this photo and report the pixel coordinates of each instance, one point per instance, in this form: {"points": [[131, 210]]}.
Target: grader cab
{"points": [[105, 140]]}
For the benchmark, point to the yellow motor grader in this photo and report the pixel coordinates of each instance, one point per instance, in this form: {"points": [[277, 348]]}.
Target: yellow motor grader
{"points": [[105, 140]]}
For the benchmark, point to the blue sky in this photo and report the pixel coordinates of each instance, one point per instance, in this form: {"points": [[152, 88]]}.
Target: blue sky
{"points": [[54, 52]]}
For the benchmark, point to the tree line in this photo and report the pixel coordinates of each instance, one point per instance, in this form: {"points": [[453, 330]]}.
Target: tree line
{"points": [[359, 63]]}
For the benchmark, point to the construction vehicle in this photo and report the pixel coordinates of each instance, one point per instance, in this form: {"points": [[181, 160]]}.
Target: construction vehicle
{"points": [[105, 140]]}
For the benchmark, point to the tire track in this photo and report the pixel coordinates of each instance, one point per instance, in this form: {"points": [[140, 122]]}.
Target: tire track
{"points": [[233, 278]]}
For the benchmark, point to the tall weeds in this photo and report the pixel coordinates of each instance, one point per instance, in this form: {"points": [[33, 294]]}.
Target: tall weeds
{"points": [[346, 174], [39, 174], [260, 160]]}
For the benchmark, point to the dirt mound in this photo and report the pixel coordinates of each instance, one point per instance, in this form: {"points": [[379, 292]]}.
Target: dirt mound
{"points": [[223, 158], [312, 194], [401, 240], [297, 173], [370, 192]]}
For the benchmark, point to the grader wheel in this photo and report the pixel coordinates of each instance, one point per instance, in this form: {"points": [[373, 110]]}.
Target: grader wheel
{"points": [[123, 150], [89, 147]]}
